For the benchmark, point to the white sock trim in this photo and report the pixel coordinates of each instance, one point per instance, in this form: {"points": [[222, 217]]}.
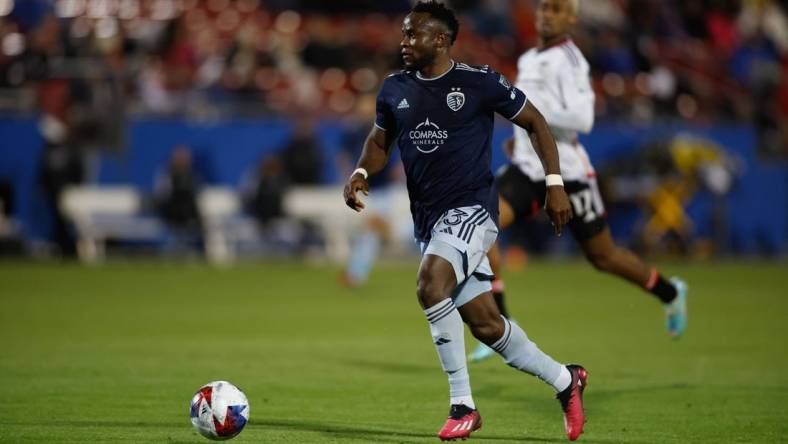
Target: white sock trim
{"points": [[501, 344], [439, 310], [563, 380]]}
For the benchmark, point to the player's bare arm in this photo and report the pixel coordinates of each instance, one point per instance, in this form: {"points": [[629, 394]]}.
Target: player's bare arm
{"points": [[373, 158], [556, 201]]}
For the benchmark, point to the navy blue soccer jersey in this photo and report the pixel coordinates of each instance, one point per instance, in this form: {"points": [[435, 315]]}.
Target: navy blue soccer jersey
{"points": [[443, 127]]}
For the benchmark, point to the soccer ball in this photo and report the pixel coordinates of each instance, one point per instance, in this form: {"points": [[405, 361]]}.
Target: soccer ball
{"points": [[219, 410]]}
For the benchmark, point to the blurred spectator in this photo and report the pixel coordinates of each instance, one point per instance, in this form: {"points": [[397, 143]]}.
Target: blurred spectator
{"points": [[175, 197], [263, 192], [11, 241], [63, 165], [301, 157], [6, 203]]}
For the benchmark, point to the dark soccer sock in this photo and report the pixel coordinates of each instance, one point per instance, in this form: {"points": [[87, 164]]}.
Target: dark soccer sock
{"points": [[660, 287], [497, 291]]}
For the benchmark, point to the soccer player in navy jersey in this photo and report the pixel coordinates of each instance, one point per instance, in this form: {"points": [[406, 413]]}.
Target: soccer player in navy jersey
{"points": [[440, 113]]}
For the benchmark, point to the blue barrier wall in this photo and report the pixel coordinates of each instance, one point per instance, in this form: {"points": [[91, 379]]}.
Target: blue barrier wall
{"points": [[21, 147], [225, 150]]}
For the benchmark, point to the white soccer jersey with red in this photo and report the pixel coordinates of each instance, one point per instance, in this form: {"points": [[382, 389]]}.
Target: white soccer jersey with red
{"points": [[556, 81]]}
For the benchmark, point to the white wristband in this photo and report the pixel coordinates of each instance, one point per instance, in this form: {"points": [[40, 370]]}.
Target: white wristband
{"points": [[552, 180], [361, 171]]}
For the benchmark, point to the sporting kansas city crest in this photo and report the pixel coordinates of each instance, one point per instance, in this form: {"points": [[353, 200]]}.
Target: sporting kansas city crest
{"points": [[455, 99]]}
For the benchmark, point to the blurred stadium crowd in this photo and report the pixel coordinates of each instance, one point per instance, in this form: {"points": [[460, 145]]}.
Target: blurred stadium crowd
{"points": [[87, 69], [697, 59]]}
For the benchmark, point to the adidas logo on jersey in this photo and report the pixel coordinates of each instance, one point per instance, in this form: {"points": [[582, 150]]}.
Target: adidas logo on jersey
{"points": [[403, 104]]}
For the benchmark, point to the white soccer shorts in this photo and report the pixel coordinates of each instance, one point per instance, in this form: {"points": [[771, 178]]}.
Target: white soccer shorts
{"points": [[463, 236]]}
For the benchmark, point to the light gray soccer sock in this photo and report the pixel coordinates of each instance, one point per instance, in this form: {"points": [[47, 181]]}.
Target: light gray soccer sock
{"points": [[446, 328], [519, 352]]}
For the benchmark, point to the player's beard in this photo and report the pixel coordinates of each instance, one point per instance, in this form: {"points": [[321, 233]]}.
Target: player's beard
{"points": [[413, 65], [418, 63]]}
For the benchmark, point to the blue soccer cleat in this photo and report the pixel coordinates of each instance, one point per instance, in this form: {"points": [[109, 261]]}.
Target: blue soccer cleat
{"points": [[676, 311], [481, 353]]}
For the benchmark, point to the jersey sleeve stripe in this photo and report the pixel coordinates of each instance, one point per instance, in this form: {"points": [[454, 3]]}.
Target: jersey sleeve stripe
{"points": [[380, 127], [466, 67], [519, 110]]}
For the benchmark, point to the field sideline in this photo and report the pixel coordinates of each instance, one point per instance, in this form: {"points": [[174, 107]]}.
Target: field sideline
{"points": [[114, 353]]}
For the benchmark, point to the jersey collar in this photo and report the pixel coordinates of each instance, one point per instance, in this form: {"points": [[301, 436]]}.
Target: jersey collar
{"points": [[418, 75], [558, 43]]}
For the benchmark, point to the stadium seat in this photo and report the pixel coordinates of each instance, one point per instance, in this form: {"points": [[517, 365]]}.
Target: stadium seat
{"points": [[223, 223], [323, 206], [102, 213]]}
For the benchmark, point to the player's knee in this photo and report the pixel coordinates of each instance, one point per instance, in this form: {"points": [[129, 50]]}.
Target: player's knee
{"points": [[430, 292], [487, 330], [434, 285]]}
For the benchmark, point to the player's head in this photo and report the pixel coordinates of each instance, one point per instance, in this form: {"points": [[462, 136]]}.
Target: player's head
{"points": [[554, 18], [429, 30], [181, 158]]}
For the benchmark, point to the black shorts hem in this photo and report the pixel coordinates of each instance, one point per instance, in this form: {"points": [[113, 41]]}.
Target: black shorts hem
{"points": [[527, 198]]}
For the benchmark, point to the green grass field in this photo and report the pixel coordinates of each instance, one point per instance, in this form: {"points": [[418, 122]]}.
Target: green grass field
{"points": [[114, 354]]}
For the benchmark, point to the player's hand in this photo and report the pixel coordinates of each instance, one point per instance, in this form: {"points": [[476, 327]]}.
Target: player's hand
{"points": [[355, 184], [508, 147], [557, 207]]}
